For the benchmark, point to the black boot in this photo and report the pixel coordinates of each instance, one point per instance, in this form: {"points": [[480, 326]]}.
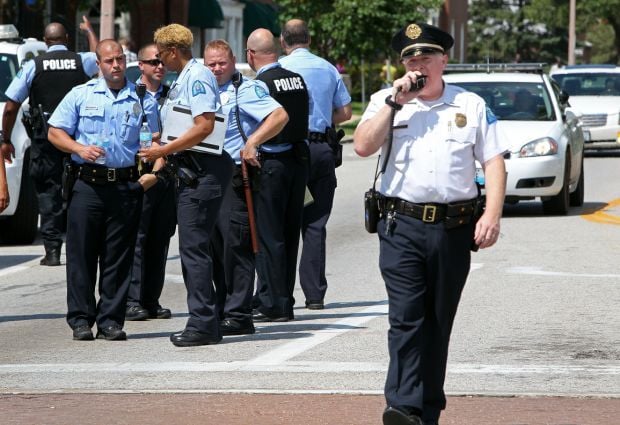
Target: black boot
{"points": [[52, 258]]}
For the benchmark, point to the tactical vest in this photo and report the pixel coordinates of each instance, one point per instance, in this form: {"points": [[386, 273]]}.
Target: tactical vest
{"points": [[289, 89], [56, 73]]}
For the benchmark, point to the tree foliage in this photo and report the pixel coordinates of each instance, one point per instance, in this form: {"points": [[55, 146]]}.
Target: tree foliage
{"points": [[354, 29]]}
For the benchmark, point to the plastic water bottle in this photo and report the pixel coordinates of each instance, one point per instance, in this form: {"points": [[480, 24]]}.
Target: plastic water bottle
{"points": [[102, 141], [146, 137]]}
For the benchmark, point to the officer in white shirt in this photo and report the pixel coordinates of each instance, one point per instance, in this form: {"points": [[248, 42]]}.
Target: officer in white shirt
{"points": [[428, 199]]}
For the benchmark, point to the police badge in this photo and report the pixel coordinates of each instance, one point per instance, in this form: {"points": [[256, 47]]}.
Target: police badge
{"points": [[460, 120], [413, 31]]}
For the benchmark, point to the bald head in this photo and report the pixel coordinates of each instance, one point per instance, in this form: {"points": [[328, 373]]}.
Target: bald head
{"points": [[106, 46], [295, 33], [261, 40], [55, 33]]}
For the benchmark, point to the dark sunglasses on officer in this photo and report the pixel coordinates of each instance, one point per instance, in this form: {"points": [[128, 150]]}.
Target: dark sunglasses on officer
{"points": [[153, 62]]}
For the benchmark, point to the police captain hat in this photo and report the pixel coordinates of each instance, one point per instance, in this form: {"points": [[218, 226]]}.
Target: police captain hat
{"points": [[420, 39]]}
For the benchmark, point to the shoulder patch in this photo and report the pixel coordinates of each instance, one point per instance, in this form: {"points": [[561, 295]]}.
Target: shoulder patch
{"points": [[491, 118], [198, 88], [260, 91]]}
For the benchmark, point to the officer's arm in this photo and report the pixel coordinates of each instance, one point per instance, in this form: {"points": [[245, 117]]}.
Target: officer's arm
{"points": [[269, 128], [370, 135], [61, 139], [487, 228], [342, 114], [4, 188], [8, 122], [86, 26]]}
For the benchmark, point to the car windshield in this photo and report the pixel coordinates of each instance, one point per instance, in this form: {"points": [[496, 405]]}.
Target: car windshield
{"points": [[8, 70], [514, 101], [589, 84]]}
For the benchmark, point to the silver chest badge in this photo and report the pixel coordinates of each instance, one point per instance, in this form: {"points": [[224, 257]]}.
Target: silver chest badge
{"points": [[136, 109], [224, 97], [173, 93]]}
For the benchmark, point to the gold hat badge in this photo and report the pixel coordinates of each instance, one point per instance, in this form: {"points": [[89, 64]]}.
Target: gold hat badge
{"points": [[460, 120], [413, 31]]}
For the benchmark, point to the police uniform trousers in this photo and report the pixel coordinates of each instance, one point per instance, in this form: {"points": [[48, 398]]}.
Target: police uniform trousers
{"points": [[234, 262], [102, 228], [424, 267], [197, 211], [322, 186], [46, 168], [157, 225], [279, 208]]}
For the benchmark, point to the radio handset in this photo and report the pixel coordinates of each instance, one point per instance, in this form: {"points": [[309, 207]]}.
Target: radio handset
{"points": [[141, 92], [420, 82]]}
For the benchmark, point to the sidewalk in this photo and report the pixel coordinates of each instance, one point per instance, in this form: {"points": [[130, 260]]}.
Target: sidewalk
{"points": [[289, 409]]}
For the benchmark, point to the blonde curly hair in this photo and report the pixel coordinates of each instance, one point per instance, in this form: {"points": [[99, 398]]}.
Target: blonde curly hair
{"points": [[174, 35]]}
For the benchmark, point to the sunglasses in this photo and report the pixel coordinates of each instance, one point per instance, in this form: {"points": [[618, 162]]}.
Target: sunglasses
{"points": [[152, 62]]}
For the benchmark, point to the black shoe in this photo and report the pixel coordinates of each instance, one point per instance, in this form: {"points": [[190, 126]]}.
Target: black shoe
{"points": [[52, 258], [237, 327], [193, 338], [83, 333], [159, 313], [257, 316], [112, 333], [394, 416], [136, 312], [315, 305]]}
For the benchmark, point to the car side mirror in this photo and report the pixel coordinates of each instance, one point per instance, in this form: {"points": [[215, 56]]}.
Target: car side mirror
{"points": [[564, 97]]}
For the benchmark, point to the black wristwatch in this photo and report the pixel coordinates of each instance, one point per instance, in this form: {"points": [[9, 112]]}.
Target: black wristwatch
{"points": [[392, 104]]}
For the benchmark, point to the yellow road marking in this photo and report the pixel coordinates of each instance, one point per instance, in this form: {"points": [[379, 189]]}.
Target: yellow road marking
{"points": [[601, 216]]}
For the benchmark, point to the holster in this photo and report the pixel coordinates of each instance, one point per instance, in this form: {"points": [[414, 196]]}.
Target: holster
{"points": [[39, 122], [28, 124], [372, 212], [333, 138], [68, 179], [181, 170]]}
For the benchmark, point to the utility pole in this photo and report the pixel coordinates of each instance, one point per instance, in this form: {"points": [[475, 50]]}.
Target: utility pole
{"points": [[106, 23], [571, 32]]}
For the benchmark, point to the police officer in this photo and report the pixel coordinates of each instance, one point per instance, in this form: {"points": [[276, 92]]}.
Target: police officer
{"points": [[158, 219], [428, 224], [331, 104], [252, 111], [201, 184], [98, 123], [284, 175], [45, 80]]}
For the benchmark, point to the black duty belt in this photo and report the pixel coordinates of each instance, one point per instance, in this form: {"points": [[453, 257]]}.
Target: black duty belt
{"points": [[454, 213], [314, 137], [277, 155], [104, 175]]}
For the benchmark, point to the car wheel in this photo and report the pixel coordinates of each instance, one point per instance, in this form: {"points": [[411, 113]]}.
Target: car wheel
{"points": [[576, 198], [558, 204], [21, 228]]}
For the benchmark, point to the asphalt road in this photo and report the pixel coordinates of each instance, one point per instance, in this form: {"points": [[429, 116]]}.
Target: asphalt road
{"points": [[538, 318]]}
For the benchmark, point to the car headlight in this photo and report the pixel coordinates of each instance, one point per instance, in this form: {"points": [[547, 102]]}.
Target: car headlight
{"points": [[539, 147]]}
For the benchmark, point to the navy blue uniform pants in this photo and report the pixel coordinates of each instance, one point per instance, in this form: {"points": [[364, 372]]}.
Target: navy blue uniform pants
{"points": [[322, 186], [46, 167], [424, 267], [234, 262], [101, 231], [197, 211], [279, 208], [157, 225]]}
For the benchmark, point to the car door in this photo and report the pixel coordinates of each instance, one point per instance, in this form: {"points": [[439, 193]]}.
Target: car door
{"points": [[572, 122]]}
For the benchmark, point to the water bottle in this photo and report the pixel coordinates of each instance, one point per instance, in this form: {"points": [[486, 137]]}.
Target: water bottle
{"points": [[146, 137], [102, 141]]}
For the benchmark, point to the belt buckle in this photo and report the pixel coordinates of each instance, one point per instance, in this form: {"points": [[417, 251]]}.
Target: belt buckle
{"points": [[429, 213], [111, 174]]}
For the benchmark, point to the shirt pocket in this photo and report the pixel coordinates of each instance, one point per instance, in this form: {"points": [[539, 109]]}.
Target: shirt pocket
{"points": [[92, 120], [459, 145], [130, 129], [402, 146]]}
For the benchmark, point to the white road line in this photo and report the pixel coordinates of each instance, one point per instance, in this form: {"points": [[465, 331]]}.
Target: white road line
{"points": [[332, 330], [306, 367], [540, 272]]}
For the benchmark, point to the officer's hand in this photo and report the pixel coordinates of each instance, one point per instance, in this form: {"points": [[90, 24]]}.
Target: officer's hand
{"points": [[152, 153], [249, 154], [147, 181], [90, 153], [487, 231], [4, 197], [7, 151], [401, 87]]}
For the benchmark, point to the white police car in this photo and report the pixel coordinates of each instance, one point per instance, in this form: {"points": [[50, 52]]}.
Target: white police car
{"points": [[595, 91], [19, 221], [546, 154]]}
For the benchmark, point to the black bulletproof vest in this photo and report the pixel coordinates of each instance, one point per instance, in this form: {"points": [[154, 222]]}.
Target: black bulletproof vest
{"points": [[56, 73], [289, 89]]}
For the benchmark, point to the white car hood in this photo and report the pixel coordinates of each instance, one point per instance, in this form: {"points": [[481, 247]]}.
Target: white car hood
{"points": [[589, 105], [519, 133]]}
